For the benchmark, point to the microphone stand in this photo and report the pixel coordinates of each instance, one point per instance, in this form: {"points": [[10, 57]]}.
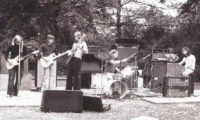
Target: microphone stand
{"points": [[102, 72], [19, 72], [131, 92]]}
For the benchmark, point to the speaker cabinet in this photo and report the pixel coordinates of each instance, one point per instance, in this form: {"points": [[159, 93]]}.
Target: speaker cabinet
{"points": [[176, 86], [62, 101], [90, 63], [125, 52], [162, 68], [159, 70], [92, 103]]}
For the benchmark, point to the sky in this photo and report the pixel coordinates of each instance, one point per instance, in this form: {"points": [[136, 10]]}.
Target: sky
{"points": [[167, 8]]}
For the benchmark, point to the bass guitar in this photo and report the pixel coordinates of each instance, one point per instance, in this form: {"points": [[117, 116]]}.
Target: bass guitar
{"points": [[49, 60], [74, 50], [15, 61]]}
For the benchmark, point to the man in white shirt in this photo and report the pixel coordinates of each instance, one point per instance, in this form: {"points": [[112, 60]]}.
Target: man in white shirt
{"points": [[189, 60], [78, 49]]}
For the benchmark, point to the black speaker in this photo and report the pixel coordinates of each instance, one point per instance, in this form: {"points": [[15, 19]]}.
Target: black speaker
{"points": [[125, 52], [62, 101], [159, 70], [90, 63], [127, 41], [92, 103], [176, 86]]}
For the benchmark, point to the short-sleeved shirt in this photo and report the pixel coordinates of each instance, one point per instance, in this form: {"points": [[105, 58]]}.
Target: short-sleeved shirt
{"points": [[48, 49]]}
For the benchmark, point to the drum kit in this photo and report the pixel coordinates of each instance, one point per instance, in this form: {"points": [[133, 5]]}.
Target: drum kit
{"points": [[111, 84]]}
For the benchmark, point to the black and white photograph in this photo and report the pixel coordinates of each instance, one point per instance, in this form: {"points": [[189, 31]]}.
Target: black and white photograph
{"points": [[99, 59]]}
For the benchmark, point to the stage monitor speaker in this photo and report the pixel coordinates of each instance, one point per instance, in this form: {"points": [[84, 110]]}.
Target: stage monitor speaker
{"points": [[125, 52], [62, 101], [92, 103]]}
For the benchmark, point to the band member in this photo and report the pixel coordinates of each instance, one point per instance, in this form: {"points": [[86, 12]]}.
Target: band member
{"points": [[12, 52], [189, 60], [74, 71], [111, 65], [46, 50]]}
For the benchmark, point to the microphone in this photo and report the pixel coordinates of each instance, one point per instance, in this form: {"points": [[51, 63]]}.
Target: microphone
{"points": [[146, 56]]}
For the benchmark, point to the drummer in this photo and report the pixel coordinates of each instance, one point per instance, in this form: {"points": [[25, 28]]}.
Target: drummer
{"points": [[111, 65]]}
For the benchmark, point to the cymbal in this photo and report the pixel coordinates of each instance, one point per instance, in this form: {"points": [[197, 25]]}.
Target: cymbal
{"points": [[102, 56]]}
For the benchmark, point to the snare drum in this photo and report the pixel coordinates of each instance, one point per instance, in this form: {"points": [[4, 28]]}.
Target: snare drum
{"points": [[127, 72], [98, 80]]}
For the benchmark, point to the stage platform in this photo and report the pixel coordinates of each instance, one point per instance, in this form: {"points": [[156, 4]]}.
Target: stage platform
{"points": [[169, 100], [33, 98], [29, 98]]}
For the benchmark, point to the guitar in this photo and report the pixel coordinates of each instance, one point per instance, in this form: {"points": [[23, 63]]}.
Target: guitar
{"points": [[47, 61], [15, 61], [73, 51]]}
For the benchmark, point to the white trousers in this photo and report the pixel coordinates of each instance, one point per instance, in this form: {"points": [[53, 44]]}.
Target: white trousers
{"points": [[186, 72], [49, 81]]}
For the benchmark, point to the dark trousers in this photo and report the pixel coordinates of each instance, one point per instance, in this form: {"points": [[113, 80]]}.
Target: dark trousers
{"points": [[13, 88], [74, 74]]}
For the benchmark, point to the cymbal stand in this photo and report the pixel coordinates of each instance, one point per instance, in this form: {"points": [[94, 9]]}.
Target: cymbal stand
{"points": [[101, 80], [136, 78], [120, 84]]}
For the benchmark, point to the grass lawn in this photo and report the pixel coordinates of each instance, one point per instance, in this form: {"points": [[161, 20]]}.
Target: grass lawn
{"points": [[125, 109]]}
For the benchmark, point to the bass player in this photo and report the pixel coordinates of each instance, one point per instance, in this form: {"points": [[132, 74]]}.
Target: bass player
{"points": [[74, 70]]}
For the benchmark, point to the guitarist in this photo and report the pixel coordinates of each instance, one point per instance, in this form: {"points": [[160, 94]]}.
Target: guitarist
{"points": [[12, 52], [74, 70], [46, 50]]}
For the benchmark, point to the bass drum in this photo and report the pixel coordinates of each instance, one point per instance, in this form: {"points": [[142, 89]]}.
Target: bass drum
{"points": [[115, 89], [98, 80]]}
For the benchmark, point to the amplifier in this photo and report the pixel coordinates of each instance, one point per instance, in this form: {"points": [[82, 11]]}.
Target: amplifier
{"points": [[62, 101], [92, 103], [176, 86], [174, 69]]}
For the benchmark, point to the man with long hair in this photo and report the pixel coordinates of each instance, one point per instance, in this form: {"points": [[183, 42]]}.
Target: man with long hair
{"points": [[12, 52], [189, 61]]}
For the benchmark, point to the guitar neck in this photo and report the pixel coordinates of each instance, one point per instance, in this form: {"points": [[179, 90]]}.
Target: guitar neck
{"points": [[131, 56], [62, 54], [25, 56], [28, 55]]}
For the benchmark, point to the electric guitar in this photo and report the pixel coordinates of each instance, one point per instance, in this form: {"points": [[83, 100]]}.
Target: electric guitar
{"points": [[15, 61], [49, 60]]}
